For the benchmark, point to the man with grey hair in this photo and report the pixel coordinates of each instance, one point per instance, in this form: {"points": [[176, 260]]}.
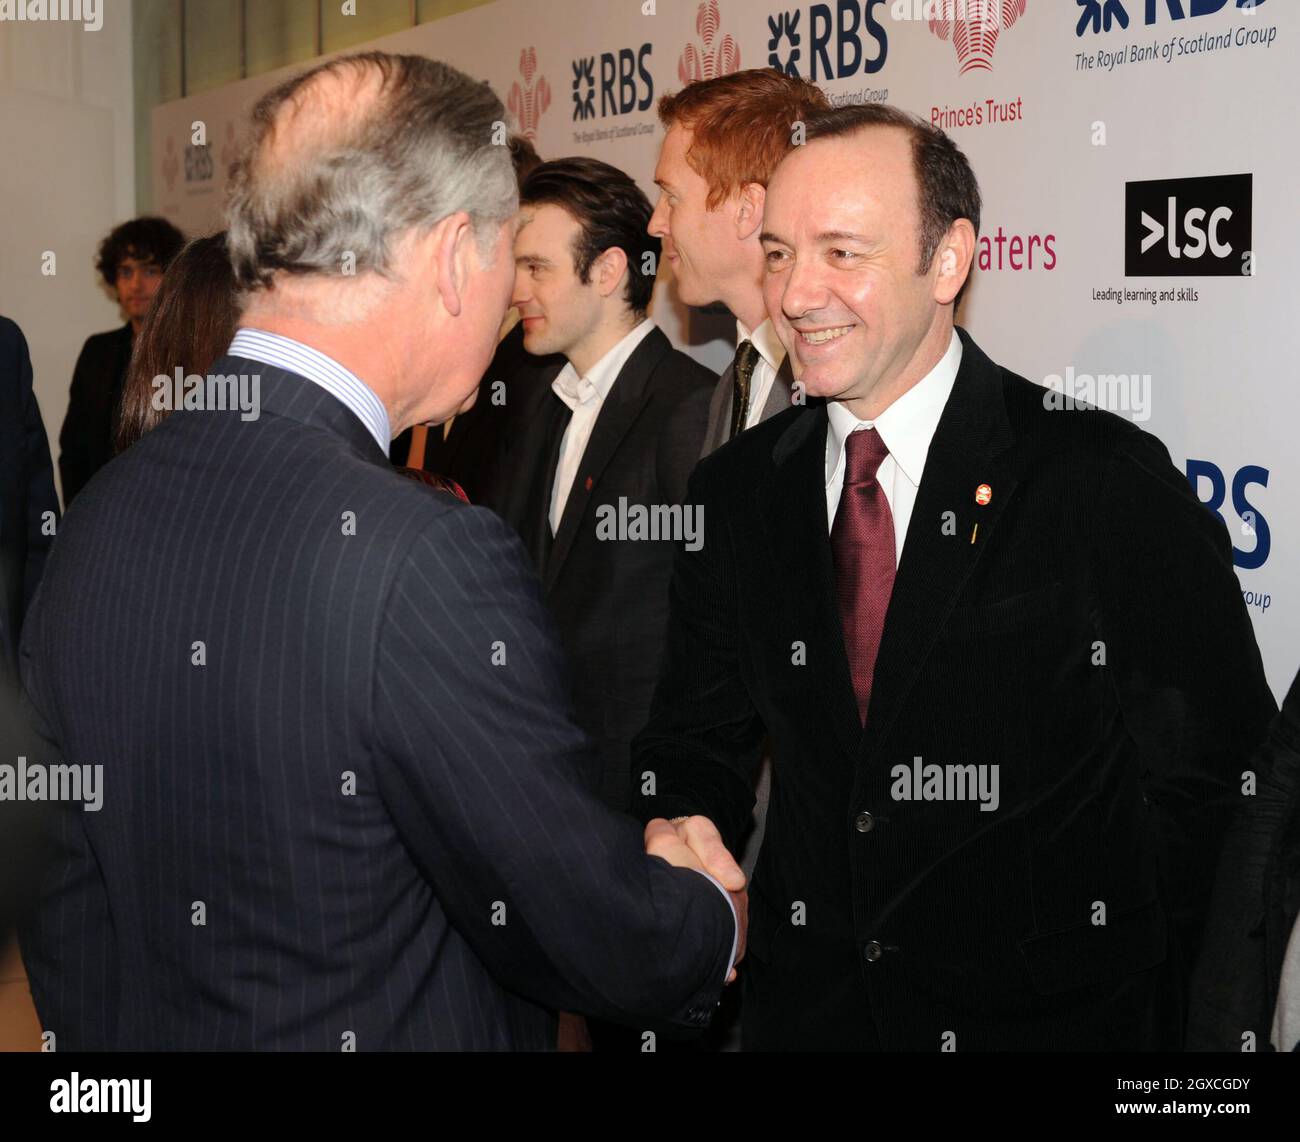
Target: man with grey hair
{"points": [[345, 807]]}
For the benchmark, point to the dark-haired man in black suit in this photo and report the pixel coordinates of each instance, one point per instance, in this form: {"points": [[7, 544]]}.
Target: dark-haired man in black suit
{"points": [[131, 261], [608, 437], [999, 647]]}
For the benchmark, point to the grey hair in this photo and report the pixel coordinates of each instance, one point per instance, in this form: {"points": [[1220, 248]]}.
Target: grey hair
{"points": [[424, 149]]}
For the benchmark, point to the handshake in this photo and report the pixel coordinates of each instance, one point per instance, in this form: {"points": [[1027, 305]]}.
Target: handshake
{"points": [[694, 842]]}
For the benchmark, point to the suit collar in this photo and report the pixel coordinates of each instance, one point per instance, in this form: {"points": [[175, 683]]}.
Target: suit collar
{"points": [[319, 368], [907, 426], [287, 394], [618, 413]]}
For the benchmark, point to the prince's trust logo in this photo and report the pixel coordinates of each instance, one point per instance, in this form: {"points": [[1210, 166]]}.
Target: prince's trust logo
{"points": [[974, 26]]}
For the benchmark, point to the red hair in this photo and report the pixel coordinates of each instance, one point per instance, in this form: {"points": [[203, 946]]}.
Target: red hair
{"points": [[742, 125]]}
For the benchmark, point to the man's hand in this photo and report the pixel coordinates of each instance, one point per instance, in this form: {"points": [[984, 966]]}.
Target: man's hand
{"points": [[694, 842]]}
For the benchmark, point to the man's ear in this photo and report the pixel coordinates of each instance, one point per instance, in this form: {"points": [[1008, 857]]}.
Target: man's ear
{"points": [[749, 210], [451, 240], [608, 270], [953, 261]]}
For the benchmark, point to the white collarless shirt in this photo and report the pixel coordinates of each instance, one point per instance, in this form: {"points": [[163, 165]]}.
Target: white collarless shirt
{"points": [[340, 382], [771, 355], [585, 395], [907, 427]]}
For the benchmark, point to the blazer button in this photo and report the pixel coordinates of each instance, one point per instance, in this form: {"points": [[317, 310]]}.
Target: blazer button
{"points": [[873, 951], [864, 822]]}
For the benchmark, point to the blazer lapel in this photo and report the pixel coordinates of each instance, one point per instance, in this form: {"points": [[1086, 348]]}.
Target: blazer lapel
{"points": [[715, 435], [972, 432], [527, 469], [778, 398], [791, 501], [618, 412]]}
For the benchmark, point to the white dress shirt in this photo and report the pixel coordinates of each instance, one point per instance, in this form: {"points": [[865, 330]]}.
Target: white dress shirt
{"points": [[585, 395], [315, 366], [907, 427], [771, 355]]}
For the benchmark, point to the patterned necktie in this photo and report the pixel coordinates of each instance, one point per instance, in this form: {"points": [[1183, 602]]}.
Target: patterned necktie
{"points": [[742, 372], [862, 547]]}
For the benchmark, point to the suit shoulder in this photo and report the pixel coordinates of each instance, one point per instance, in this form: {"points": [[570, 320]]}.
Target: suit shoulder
{"points": [[103, 346], [1054, 419], [10, 334], [106, 339], [686, 372], [741, 459]]}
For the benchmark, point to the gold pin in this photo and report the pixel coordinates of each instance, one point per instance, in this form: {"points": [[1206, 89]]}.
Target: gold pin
{"points": [[972, 534]]}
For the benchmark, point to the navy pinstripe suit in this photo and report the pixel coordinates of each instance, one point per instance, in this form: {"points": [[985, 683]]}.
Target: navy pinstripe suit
{"points": [[366, 812]]}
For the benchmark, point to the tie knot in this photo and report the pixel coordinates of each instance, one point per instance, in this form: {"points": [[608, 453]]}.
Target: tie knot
{"points": [[865, 452], [746, 360]]}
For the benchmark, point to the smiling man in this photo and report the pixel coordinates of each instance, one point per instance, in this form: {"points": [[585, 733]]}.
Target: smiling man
{"points": [[938, 569], [724, 138]]}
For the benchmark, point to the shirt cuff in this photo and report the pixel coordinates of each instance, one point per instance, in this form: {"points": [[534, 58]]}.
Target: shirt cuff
{"points": [[735, 920]]}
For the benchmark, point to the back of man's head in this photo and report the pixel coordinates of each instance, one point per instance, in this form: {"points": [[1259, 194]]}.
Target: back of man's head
{"points": [[741, 124], [349, 156]]}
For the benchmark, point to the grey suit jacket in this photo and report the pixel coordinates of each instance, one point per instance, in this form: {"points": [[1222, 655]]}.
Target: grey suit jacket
{"points": [[778, 399]]}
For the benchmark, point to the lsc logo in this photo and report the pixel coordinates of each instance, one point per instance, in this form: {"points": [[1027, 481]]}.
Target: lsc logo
{"points": [[1189, 227]]}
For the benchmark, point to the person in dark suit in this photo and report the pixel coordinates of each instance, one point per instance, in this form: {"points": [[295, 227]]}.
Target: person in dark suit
{"points": [[1246, 990], [617, 427], [723, 139], [29, 514], [131, 260], [347, 809], [29, 509], [999, 647]]}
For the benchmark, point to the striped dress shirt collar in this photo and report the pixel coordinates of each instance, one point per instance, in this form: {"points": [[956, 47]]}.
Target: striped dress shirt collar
{"points": [[341, 383]]}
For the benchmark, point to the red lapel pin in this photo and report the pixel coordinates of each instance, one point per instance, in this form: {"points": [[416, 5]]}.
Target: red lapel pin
{"points": [[983, 494], [588, 484]]}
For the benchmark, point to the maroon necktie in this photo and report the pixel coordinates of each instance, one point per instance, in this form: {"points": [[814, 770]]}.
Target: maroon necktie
{"points": [[862, 546]]}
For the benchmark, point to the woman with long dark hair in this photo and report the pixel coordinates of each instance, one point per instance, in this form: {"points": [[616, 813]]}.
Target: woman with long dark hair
{"points": [[190, 324]]}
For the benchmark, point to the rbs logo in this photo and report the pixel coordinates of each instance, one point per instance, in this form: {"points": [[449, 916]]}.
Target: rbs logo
{"points": [[836, 47], [625, 83], [1189, 227], [1104, 15], [1251, 522]]}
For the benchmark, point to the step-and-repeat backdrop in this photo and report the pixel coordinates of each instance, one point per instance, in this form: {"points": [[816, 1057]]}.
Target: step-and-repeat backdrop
{"points": [[1139, 166]]}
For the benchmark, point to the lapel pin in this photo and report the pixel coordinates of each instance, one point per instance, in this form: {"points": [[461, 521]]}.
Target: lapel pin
{"points": [[983, 494], [973, 533], [587, 485]]}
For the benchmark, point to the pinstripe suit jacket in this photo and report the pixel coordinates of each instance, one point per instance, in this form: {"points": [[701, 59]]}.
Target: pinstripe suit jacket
{"points": [[343, 800]]}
